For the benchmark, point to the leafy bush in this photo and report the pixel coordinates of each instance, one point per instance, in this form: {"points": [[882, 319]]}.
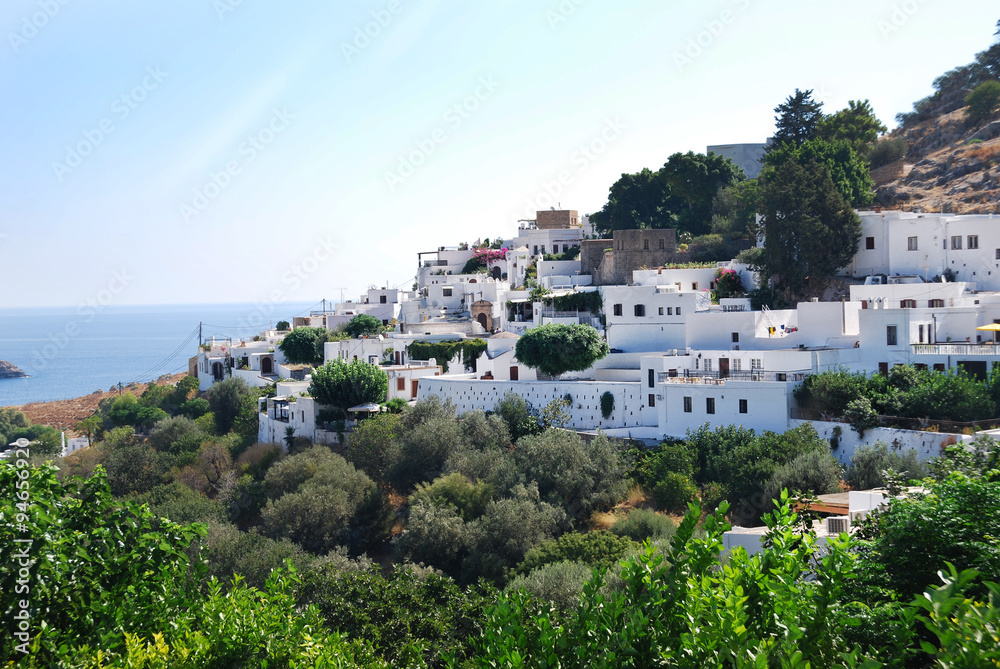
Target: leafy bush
{"points": [[869, 464], [728, 283], [555, 348], [396, 405], [831, 390], [571, 473], [673, 492], [469, 499], [445, 351], [180, 504], [225, 399], [815, 472], [518, 415], [983, 101], [422, 450], [560, 583], [176, 435], [642, 525], [434, 535], [300, 346], [409, 618], [343, 384], [600, 549], [369, 443], [194, 408], [887, 151], [364, 325]]}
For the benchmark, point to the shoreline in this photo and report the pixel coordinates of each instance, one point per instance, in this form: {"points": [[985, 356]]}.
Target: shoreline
{"points": [[64, 414]]}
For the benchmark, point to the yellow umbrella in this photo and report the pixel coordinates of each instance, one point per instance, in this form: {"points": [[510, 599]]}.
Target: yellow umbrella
{"points": [[995, 327]]}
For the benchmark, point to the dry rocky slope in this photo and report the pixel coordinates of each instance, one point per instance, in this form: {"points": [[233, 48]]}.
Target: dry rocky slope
{"points": [[951, 166]]}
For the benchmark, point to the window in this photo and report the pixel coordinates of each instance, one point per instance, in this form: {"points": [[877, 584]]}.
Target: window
{"points": [[687, 405], [883, 368], [890, 335], [920, 330], [938, 366], [708, 364], [755, 364], [652, 400], [640, 310], [645, 245], [869, 243], [400, 383], [743, 406], [736, 337], [911, 243], [694, 285], [381, 299], [907, 304], [446, 292], [661, 243], [670, 311], [973, 241], [709, 405], [536, 250], [935, 304], [661, 311], [618, 310], [737, 365], [678, 311], [998, 254], [652, 378], [956, 243]]}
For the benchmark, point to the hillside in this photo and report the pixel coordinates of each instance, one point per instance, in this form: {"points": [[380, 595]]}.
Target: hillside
{"points": [[950, 167]]}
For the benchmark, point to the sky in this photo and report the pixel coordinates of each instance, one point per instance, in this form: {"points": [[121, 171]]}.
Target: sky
{"points": [[248, 151]]}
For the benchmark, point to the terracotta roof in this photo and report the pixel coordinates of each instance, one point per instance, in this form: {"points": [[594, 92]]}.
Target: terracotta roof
{"points": [[505, 335]]}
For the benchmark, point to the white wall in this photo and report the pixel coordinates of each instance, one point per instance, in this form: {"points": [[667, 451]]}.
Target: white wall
{"points": [[927, 444], [767, 405], [585, 411]]}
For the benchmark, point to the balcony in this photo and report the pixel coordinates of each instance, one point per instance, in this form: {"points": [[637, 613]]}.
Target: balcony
{"points": [[719, 378], [956, 349]]}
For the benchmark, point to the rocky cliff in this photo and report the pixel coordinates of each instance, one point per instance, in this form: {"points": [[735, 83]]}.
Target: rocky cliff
{"points": [[950, 166]]}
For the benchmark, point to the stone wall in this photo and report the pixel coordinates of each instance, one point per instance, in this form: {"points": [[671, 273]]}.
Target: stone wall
{"points": [[553, 219], [630, 250]]}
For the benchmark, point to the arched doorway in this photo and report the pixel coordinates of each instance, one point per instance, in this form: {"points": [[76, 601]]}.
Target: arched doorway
{"points": [[482, 321], [218, 373], [266, 366], [495, 272]]}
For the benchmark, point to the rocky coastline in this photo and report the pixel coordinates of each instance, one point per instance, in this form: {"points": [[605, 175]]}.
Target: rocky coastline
{"points": [[10, 371]]}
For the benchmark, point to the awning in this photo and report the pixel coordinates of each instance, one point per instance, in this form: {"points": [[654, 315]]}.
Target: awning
{"points": [[370, 407], [995, 327]]}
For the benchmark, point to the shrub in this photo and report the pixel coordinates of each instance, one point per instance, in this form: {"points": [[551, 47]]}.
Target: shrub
{"points": [[869, 464], [180, 504], [225, 398], [396, 405], [673, 492], [598, 550], [369, 443], [983, 101], [421, 451], [343, 384], [364, 325], [571, 473], [815, 472], [194, 408], [434, 535], [832, 390], [299, 346], [230, 552], [176, 435], [642, 524], [558, 582], [469, 499], [555, 348], [860, 415], [887, 151], [518, 415]]}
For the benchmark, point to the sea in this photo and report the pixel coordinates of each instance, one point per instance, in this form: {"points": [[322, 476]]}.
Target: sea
{"points": [[69, 352]]}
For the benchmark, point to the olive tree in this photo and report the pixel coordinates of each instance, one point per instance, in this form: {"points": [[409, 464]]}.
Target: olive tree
{"points": [[343, 384]]}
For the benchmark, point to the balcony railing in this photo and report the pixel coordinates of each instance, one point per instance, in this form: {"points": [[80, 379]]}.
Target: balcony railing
{"points": [[956, 349], [719, 377]]}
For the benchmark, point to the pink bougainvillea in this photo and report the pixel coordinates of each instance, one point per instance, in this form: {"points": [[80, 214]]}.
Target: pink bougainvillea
{"points": [[489, 256]]}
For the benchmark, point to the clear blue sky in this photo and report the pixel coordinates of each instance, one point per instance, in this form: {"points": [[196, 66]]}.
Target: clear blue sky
{"points": [[337, 155]]}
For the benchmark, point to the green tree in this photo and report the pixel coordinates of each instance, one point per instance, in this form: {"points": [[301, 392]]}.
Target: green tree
{"points": [[871, 462], [642, 525], [983, 102], [693, 180], [815, 472], [342, 384], [176, 435], [560, 583], [598, 550], [282, 326], [299, 346], [468, 498], [435, 535], [364, 325], [798, 119], [556, 348], [734, 210], [856, 124], [519, 416], [810, 230], [369, 443], [848, 170], [225, 399], [634, 201]]}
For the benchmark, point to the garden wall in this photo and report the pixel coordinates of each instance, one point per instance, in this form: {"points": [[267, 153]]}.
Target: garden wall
{"points": [[926, 444]]}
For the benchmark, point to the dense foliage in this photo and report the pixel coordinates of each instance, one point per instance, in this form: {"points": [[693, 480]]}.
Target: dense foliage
{"points": [[364, 325], [343, 384], [555, 348], [303, 346], [445, 351]]}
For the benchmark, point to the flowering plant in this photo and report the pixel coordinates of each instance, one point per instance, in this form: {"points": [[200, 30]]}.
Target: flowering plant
{"points": [[489, 256]]}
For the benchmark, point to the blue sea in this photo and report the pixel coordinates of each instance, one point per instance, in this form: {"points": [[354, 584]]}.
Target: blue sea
{"points": [[72, 351]]}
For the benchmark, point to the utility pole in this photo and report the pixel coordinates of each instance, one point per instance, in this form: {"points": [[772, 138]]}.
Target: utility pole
{"points": [[199, 334]]}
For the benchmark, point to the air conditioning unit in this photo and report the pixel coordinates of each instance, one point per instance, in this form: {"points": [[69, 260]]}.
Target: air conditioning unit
{"points": [[858, 515], [736, 347], [838, 524], [660, 397]]}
